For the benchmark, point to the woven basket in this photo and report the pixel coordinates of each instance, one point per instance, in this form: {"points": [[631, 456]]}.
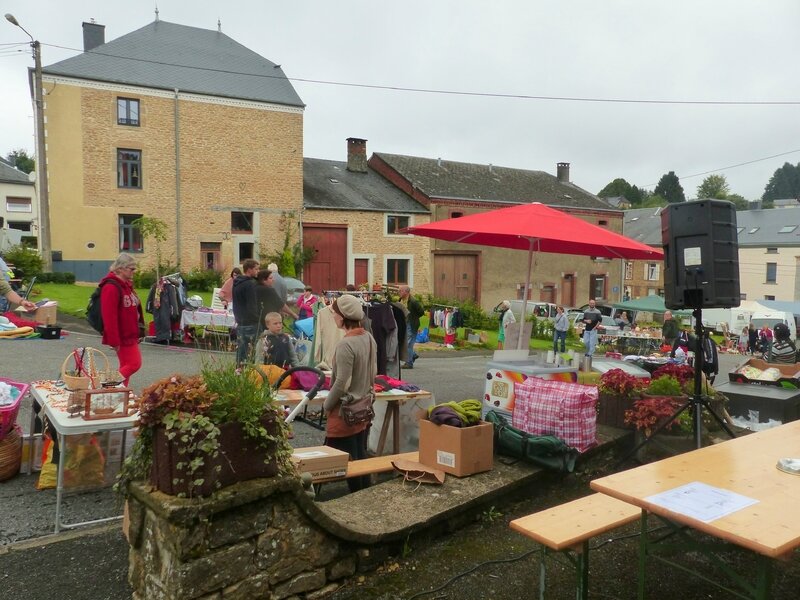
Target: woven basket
{"points": [[11, 454], [91, 356]]}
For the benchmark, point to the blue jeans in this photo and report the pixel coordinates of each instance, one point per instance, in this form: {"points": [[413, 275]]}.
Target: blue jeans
{"points": [[411, 339], [560, 335], [245, 343], [590, 339]]}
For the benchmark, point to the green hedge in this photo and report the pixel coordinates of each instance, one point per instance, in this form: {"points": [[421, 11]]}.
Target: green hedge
{"points": [[48, 277]]}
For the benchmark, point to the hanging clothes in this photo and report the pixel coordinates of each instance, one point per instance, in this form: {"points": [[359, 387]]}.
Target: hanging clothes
{"points": [[382, 325], [326, 336]]}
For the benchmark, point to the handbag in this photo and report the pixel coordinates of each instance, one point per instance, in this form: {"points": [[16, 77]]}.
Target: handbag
{"points": [[355, 411]]}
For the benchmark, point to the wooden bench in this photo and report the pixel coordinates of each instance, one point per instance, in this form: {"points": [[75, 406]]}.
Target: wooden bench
{"points": [[372, 466], [567, 528]]}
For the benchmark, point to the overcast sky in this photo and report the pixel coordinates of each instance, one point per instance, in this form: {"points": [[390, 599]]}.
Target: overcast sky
{"points": [[682, 50]]}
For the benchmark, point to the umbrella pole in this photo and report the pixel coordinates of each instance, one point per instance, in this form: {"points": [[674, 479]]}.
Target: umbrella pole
{"points": [[524, 314]]}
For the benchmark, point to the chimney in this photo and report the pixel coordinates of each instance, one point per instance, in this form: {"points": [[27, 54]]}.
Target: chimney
{"points": [[356, 155], [562, 172], [94, 35]]}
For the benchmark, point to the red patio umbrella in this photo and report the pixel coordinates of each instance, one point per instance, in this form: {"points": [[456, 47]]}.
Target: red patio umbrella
{"points": [[536, 228]]}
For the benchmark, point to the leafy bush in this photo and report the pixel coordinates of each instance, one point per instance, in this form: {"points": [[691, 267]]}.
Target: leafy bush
{"points": [[617, 382], [25, 259], [666, 385], [204, 280], [649, 413], [56, 277], [145, 278]]}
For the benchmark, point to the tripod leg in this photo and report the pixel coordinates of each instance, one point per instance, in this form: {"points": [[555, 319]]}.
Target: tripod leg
{"points": [[704, 402], [657, 430]]}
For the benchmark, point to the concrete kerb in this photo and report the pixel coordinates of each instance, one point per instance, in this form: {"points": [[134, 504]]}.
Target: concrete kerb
{"points": [[58, 538]]}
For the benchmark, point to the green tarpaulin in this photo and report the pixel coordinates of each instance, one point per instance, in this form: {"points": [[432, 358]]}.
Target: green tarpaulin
{"points": [[652, 304]]}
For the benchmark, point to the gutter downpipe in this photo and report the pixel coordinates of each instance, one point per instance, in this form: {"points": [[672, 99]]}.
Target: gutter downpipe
{"points": [[177, 181]]}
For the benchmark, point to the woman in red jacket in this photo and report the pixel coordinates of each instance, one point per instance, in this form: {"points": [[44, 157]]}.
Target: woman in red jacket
{"points": [[123, 320]]}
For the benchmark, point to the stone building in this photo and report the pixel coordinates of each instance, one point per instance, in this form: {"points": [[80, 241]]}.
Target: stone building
{"points": [[488, 275], [643, 277], [352, 217], [176, 123]]}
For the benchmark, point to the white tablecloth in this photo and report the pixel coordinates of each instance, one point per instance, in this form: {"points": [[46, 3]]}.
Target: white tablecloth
{"points": [[206, 318]]}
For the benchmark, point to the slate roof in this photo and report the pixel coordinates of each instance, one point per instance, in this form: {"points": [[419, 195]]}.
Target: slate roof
{"points": [[469, 181], [9, 174], [765, 225], [166, 56], [643, 225], [327, 184]]}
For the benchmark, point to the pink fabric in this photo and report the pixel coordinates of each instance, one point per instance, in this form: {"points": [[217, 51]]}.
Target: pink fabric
{"points": [[565, 410], [305, 380]]}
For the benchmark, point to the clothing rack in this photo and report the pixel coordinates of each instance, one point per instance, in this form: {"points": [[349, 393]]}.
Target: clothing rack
{"points": [[445, 306]]}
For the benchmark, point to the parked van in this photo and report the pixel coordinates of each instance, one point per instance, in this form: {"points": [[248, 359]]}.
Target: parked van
{"points": [[735, 318], [772, 318]]}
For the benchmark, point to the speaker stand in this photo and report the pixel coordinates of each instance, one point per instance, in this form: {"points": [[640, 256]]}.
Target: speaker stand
{"points": [[697, 401]]}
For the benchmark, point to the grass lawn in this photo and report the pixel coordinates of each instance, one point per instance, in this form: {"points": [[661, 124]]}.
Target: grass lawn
{"points": [[72, 300]]}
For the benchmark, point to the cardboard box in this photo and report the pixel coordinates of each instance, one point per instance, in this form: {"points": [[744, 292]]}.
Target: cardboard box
{"points": [[790, 374], [459, 451], [45, 315], [323, 462]]}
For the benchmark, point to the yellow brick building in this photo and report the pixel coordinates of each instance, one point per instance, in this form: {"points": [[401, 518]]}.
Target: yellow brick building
{"points": [[208, 139]]}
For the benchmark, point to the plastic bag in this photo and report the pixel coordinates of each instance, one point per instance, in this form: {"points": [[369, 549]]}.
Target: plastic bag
{"points": [[423, 336]]}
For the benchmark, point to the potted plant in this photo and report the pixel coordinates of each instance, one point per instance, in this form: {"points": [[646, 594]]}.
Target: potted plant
{"points": [[202, 432], [617, 392]]}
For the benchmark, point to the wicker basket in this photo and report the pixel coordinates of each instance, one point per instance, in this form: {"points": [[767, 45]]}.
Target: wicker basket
{"points": [[95, 365], [11, 454]]}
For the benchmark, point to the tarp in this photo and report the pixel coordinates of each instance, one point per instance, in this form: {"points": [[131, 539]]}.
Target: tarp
{"points": [[651, 304]]}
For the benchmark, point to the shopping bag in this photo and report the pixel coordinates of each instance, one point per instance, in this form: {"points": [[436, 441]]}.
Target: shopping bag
{"points": [[565, 410]]}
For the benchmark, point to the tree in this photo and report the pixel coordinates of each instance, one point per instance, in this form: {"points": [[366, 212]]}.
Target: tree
{"points": [[653, 200], [618, 187], [715, 187], [740, 202], [784, 183], [152, 227], [20, 159], [669, 187]]}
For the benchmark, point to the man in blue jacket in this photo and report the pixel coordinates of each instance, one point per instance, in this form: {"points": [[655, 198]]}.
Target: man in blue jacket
{"points": [[245, 310]]}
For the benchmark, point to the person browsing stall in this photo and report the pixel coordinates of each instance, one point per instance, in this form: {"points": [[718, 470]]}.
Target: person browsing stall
{"points": [[354, 369], [226, 291], [506, 318], [783, 349], [560, 327], [591, 319], [305, 303], [670, 329], [123, 319], [276, 346], [415, 311], [245, 310]]}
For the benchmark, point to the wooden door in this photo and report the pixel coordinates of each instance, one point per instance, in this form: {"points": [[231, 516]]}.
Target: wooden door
{"points": [[328, 269], [360, 272], [568, 290], [455, 276], [548, 293]]}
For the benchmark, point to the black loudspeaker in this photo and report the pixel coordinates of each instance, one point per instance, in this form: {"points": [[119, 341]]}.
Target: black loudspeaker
{"points": [[701, 255]]}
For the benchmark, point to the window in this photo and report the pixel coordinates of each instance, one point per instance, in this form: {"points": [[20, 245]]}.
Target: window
{"points": [[129, 168], [772, 250], [14, 204], [241, 222], [772, 272], [754, 229], [597, 286], [786, 229], [20, 225], [130, 238], [769, 297], [397, 271], [628, 270], [128, 111], [651, 271], [211, 255], [394, 223], [454, 214]]}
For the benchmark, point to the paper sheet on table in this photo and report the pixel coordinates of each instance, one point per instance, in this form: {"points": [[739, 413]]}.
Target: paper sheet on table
{"points": [[701, 501]]}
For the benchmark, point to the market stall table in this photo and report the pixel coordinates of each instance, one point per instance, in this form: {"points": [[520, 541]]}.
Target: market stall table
{"points": [[207, 318], [635, 344], [54, 400], [769, 402], [387, 411], [731, 491]]}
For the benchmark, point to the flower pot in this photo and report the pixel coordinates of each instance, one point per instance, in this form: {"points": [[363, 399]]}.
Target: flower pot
{"points": [[611, 410], [240, 458]]}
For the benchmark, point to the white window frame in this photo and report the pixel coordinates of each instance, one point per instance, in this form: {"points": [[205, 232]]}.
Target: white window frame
{"points": [[386, 224], [628, 271], [408, 257], [651, 271], [19, 204]]}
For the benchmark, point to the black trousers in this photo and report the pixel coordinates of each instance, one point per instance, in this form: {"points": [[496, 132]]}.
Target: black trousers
{"points": [[356, 447]]}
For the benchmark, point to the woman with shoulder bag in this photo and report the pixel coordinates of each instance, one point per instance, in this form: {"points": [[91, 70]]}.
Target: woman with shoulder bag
{"points": [[349, 402]]}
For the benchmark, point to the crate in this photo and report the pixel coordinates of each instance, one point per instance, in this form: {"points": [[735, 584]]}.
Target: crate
{"points": [[8, 414]]}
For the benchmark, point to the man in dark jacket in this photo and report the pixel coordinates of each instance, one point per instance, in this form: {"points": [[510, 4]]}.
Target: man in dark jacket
{"points": [[245, 310], [415, 311]]}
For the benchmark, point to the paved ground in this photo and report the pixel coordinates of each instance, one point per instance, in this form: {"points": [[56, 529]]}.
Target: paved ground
{"points": [[93, 563]]}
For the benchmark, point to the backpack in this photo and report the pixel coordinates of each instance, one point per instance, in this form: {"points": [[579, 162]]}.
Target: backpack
{"points": [[94, 314]]}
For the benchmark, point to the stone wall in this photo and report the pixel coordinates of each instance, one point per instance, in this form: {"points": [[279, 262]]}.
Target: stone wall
{"points": [[257, 539]]}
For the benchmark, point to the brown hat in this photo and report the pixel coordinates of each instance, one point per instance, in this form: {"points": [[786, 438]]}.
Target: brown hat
{"points": [[348, 307]]}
